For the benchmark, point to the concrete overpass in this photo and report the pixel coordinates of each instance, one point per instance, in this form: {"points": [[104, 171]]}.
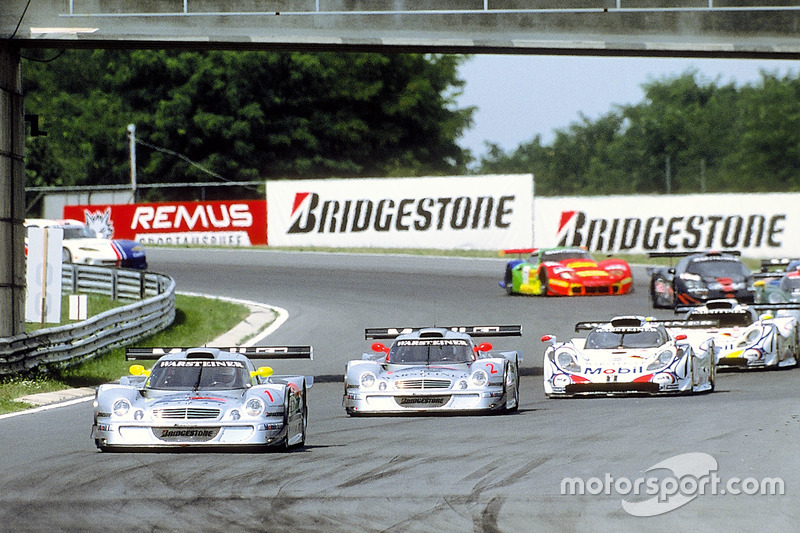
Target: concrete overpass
{"points": [[674, 28]]}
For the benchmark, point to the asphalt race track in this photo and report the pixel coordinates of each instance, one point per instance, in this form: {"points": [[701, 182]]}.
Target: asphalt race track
{"points": [[417, 474]]}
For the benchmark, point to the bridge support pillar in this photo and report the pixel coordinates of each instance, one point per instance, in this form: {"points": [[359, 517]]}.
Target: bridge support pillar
{"points": [[12, 194]]}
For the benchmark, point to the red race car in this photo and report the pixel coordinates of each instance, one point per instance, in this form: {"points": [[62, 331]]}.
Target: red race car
{"points": [[565, 272]]}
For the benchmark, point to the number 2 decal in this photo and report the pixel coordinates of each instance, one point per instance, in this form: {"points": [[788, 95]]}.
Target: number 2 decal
{"points": [[492, 370]]}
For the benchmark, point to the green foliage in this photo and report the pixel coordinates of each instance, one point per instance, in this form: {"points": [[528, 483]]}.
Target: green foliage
{"points": [[689, 135], [243, 116]]}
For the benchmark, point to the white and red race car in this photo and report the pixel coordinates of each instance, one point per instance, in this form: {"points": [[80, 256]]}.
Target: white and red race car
{"points": [[745, 339], [628, 355]]}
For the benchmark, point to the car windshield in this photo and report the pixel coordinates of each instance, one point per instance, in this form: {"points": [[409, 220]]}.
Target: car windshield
{"points": [[718, 268], [790, 284], [78, 232], [560, 255], [194, 375], [425, 351], [600, 339]]}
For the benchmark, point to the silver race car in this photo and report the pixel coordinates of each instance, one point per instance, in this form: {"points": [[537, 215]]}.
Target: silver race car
{"points": [[745, 339], [433, 370], [204, 397], [628, 355]]}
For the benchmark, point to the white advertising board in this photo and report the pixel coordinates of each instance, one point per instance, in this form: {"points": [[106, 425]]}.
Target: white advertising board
{"points": [[43, 277], [758, 225], [454, 212]]}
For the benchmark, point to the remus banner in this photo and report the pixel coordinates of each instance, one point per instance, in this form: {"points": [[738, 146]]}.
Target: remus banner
{"points": [[454, 212], [758, 225]]}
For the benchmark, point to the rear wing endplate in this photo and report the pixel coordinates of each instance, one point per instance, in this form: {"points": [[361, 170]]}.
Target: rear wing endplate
{"points": [[472, 331], [252, 352]]}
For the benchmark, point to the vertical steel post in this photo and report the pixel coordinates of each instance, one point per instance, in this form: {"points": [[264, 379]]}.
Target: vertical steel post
{"points": [[12, 194]]}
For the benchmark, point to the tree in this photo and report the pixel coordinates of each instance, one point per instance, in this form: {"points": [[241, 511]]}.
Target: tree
{"points": [[244, 116]]}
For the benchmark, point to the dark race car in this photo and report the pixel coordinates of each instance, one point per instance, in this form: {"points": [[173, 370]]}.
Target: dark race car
{"points": [[699, 277]]}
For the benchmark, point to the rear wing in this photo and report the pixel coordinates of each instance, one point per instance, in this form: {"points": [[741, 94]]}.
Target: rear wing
{"points": [[780, 306], [252, 352], [700, 324], [769, 265], [472, 331], [517, 251], [588, 326], [688, 253]]}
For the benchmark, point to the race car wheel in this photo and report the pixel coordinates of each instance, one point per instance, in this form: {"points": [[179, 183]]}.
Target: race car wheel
{"points": [[508, 280], [66, 256], [712, 378], [515, 380], [543, 283], [304, 426]]}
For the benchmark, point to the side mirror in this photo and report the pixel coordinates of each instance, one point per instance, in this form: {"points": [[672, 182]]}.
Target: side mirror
{"points": [[483, 347], [379, 347], [549, 339], [681, 337], [262, 371], [138, 370]]}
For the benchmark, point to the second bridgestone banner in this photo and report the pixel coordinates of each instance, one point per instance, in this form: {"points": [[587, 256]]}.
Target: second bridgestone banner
{"points": [[757, 225], [456, 212]]}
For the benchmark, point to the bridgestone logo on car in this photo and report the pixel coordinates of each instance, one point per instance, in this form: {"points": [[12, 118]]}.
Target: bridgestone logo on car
{"points": [[167, 433], [421, 401]]}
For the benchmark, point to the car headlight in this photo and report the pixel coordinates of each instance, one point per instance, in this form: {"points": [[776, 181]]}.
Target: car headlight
{"points": [[254, 407], [663, 359], [566, 360], [121, 407], [479, 378], [367, 380], [565, 274], [615, 272]]}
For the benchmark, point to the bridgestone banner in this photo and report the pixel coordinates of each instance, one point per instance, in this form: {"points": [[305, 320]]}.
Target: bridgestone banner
{"points": [[758, 225], [480, 212]]}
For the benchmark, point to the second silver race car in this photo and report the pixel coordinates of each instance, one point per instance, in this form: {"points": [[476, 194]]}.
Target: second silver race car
{"points": [[434, 370]]}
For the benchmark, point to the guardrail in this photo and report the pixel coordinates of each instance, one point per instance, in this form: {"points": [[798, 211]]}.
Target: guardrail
{"points": [[73, 343]]}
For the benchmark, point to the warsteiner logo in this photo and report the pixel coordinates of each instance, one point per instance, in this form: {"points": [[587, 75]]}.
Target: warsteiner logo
{"points": [[312, 214], [687, 232]]}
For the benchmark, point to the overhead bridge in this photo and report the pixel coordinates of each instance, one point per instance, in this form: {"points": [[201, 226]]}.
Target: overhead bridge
{"points": [[700, 28]]}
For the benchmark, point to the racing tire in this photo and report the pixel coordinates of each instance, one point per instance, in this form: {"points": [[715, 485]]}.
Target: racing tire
{"points": [[508, 280], [712, 379], [305, 421], [516, 392], [544, 283], [286, 419]]}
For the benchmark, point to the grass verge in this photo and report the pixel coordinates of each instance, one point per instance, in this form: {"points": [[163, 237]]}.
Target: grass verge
{"points": [[197, 320]]}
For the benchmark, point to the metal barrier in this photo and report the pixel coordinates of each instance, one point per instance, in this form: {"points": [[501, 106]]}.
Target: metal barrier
{"points": [[73, 343]]}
